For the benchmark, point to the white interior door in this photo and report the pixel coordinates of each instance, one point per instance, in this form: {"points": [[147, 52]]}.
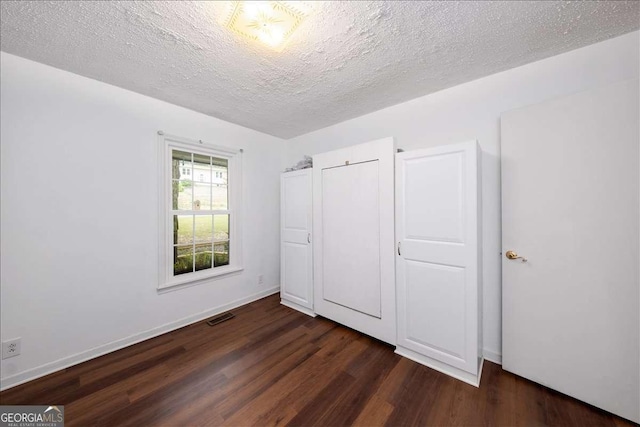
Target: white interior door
{"points": [[354, 240], [296, 249], [570, 206], [437, 220]]}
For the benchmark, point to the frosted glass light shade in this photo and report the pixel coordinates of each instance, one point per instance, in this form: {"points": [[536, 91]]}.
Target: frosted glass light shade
{"points": [[270, 23]]}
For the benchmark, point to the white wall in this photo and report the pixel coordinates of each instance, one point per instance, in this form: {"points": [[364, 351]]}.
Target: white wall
{"points": [[79, 217], [472, 111]]}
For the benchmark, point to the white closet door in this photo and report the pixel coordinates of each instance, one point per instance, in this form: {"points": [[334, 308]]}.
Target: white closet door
{"points": [[354, 243], [351, 223], [296, 250], [437, 210]]}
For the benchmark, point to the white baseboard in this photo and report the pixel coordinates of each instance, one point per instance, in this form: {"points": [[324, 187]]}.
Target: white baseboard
{"points": [[65, 362], [452, 371], [298, 307], [492, 356]]}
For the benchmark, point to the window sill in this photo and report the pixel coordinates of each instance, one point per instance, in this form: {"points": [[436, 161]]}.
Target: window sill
{"points": [[197, 278]]}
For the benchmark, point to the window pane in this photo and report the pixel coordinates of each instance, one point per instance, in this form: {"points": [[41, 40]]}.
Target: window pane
{"points": [[182, 259], [221, 227], [181, 165], [220, 197], [203, 256], [219, 164], [220, 181], [201, 168], [203, 229], [220, 254], [181, 195], [199, 185], [201, 196], [182, 229]]}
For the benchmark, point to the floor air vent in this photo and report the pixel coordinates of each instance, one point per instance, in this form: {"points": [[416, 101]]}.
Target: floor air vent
{"points": [[219, 319]]}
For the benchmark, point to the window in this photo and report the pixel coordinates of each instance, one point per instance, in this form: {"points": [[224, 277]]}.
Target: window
{"points": [[200, 229]]}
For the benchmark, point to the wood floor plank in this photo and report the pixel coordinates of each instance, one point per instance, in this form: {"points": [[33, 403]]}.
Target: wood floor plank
{"points": [[93, 406], [498, 400], [124, 365], [91, 409], [416, 401], [246, 394], [302, 384], [529, 403], [370, 369], [317, 380], [211, 360], [273, 366], [52, 387], [155, 408], [375, 413], [324, 403], [241, 389], [393, 386], [251, 361], [267, 348]]}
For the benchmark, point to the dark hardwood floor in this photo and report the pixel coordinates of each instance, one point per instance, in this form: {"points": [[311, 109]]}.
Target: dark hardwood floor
{"points": [[274, 366]]}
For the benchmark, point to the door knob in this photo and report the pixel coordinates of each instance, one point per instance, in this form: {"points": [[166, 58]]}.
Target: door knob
{"points": [[514, 255]]}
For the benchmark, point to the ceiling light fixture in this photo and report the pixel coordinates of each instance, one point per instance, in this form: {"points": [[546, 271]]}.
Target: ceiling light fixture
{"points": [[268, 22]]}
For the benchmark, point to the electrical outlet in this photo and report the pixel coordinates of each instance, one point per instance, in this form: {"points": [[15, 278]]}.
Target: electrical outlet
{"points": [[260, 279], [11, 348]]}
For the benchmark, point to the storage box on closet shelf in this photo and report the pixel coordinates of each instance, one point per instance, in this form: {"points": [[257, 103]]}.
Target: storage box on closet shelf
{"points": [[305, 163]]}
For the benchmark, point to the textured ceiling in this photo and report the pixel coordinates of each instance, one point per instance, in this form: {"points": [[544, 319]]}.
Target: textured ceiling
{"points": [[347, 59]]}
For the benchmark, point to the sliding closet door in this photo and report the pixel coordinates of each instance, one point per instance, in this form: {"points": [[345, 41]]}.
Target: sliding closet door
{"points": [[353, 248], [437, 199]]}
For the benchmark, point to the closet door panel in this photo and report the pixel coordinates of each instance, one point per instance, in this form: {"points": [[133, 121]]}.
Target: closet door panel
{"points": [[438, 179], [296, 197], [296, 256], [434, 296], [437, 264], [351, 249], [353, 222], [296, 266]]}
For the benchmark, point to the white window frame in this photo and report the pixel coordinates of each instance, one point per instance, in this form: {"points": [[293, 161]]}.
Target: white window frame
{"points": [[166, 144]]}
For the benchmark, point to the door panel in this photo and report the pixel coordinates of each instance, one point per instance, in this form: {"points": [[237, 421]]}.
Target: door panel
{"points": [[570, 206], [296, 198], [435, 297], [426, 221], [296, 250], [437, 269], [351, 223], [296, 267]]}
